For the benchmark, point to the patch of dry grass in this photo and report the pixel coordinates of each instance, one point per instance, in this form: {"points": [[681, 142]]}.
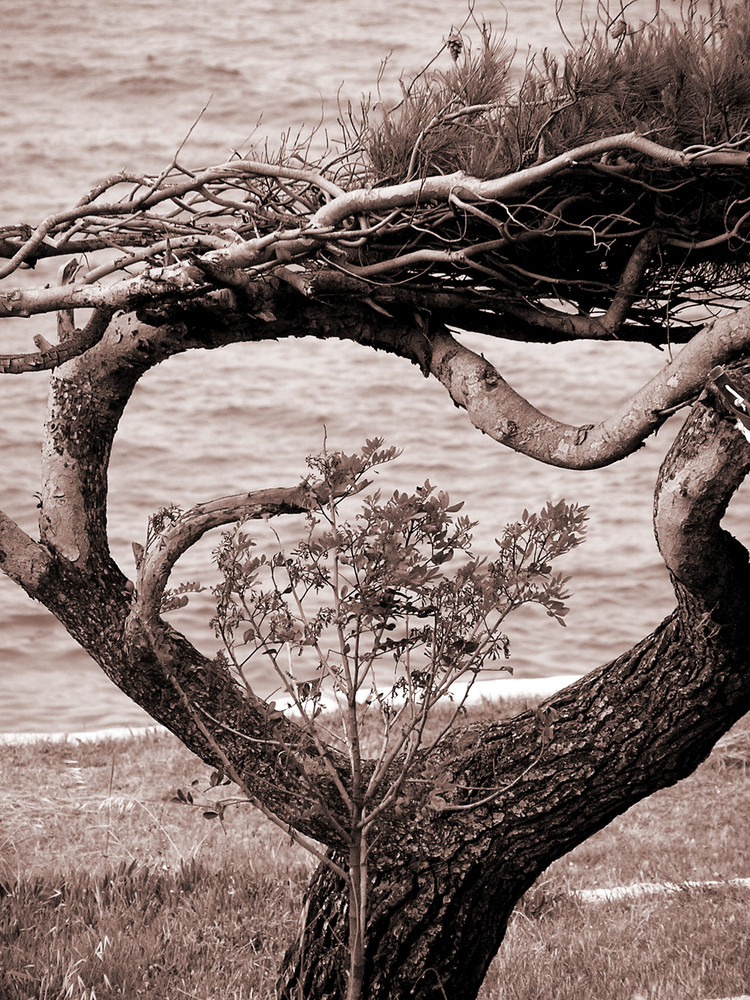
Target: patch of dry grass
{"points": [[688, 945], [68, 807], [113, 889]]}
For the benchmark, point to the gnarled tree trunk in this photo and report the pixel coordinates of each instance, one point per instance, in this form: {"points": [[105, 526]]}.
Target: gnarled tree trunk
{"points": [[442, 884], [541, 214]]}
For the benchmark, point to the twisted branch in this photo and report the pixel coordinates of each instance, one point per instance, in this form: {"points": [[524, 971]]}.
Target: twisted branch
{"points": [[155, 564], [301, 232], [366, 200], [50, 356], [499, 411], [694, 488], [154, 195]]}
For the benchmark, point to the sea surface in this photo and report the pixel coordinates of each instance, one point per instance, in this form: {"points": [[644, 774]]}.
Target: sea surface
{"points": [[90, 88]]}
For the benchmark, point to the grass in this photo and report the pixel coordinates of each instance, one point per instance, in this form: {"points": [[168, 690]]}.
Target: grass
{"points": [[110, 888], [115, 890], [687, 945]]}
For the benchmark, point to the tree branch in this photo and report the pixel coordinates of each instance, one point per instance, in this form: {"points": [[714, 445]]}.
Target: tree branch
{"points": [[440, 188], [156, 194], [155, 564], [630, 285], [693, 490], [496, 409], [52, 356], [25, 561], [176, 281]]}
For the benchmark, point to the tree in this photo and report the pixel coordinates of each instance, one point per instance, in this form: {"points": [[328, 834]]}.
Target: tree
{"points": [[603, 196], [388, 630]]}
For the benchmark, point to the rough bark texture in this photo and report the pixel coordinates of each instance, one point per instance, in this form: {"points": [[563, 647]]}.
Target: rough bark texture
{"points": [[443, 890], [442, 885]]}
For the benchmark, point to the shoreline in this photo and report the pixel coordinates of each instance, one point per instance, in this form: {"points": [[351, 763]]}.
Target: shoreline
{"points": [[501, 688]]}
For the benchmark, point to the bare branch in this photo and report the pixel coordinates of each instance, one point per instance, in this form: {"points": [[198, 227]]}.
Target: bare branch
{"points": [[632, 278], [367, 200], [694, 487], [155, 565], [394, 235], [181, 280], [51, 356], [496, 409], [21, 558], [156, 194]]}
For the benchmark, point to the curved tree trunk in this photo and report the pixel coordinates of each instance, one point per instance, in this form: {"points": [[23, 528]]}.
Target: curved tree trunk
{"points": [[630, 234], [442, 884], [442, 894]]}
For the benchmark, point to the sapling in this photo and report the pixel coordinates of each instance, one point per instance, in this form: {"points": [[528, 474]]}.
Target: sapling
{"points": [[368, 623]]}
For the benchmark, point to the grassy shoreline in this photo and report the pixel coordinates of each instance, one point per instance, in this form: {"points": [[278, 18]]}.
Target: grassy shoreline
{"points": [[110, 888]]}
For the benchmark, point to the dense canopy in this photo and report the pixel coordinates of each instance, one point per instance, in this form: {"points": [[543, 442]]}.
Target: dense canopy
{"points": [[569, 185]]}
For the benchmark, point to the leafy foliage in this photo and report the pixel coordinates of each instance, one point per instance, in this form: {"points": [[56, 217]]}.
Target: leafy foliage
{"points": [[378, 616], [368, 623], [390, 604]]}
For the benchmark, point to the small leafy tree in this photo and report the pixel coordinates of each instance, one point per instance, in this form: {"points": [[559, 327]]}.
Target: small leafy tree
{"points": [[368, 630]]}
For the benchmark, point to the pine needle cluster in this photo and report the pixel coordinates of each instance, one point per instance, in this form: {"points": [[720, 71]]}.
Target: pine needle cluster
{"points": [[684, 84]]}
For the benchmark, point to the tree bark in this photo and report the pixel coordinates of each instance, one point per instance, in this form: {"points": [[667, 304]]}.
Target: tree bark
{"points": [[441, 895], [442, 885]]}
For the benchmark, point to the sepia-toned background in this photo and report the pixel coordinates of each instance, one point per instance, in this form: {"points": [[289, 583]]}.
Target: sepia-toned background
{"points": [[91, 88]]}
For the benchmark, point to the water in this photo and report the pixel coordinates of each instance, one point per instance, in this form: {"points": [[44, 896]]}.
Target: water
{"points": [[91, 88]]}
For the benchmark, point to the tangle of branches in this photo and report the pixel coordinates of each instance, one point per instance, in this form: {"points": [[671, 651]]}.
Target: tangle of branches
{"points": [[606, 192]]}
